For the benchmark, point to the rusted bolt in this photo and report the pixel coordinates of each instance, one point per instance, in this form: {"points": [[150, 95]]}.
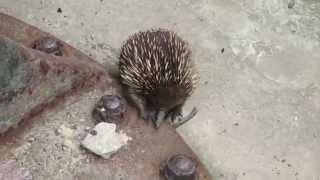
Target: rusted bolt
{"points": [[49, 45], [110, 108], [180, 167]]}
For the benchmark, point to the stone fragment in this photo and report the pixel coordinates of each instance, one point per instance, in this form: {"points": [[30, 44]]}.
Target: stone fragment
{"points": [[105, 141]]}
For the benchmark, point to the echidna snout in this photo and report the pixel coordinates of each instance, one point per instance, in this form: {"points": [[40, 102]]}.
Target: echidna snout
{"points": [[157, 69]]}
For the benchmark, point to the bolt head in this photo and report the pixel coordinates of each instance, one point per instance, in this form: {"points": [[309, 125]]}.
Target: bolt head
{"points": [[110, 108], [180, 167], [49, 45]]}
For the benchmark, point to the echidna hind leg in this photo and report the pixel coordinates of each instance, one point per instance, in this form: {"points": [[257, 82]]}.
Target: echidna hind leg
{"points": [[180, 119]]}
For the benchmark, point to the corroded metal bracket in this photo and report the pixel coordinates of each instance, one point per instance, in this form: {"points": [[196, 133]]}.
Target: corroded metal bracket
{"points": [[161, 144]]}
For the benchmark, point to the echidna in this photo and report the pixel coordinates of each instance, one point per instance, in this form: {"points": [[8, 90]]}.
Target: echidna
{"points": [[159, 74]]}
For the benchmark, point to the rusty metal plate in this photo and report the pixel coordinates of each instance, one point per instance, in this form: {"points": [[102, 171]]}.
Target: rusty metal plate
{"points": [[158, 145]]}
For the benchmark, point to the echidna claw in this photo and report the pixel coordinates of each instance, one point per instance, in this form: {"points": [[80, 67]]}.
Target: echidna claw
{"points": [[180, 120]]}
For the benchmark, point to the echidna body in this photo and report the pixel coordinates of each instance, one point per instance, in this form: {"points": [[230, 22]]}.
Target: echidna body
{"points": [[157, 68]]}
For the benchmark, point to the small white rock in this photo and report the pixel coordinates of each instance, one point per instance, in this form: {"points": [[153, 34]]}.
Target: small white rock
{"points": [[65, 131], [105, 141]]}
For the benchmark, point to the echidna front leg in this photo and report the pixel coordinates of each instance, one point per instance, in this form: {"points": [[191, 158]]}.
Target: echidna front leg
{"points": [[177, 119], [160, 116], [147, 114], [156, 117], [140, 104]]}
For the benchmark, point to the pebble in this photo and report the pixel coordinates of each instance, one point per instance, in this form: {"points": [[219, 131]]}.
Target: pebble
{"points": [[68, 143], [65, 131], [291, 4]]}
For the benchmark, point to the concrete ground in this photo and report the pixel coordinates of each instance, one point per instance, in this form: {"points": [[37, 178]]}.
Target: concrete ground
{"points": [[259, 95]]}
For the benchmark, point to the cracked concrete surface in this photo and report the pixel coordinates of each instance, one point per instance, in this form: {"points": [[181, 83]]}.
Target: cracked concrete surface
{"points": [[259, 95]]}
